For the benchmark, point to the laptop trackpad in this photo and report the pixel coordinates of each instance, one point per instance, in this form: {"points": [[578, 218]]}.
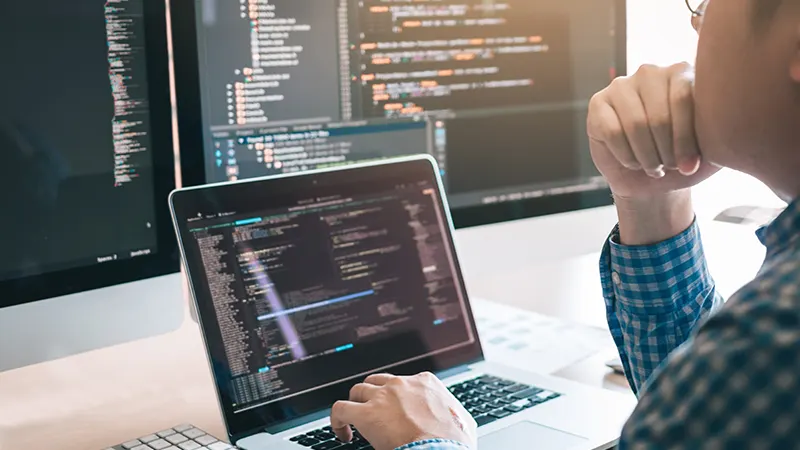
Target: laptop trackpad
{"points": [[523, 434]]}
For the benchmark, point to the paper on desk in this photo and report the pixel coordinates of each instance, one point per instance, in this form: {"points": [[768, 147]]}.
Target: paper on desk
{"points": [[534, 342]]}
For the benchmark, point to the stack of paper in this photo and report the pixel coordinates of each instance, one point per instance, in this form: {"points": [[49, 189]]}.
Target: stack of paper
{"points": [[534, 342]]}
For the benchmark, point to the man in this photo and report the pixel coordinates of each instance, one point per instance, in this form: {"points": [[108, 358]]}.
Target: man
{"points": [[728, 381]]}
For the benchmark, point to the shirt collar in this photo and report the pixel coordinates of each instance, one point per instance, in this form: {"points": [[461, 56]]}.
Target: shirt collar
{"points": [[784, 230]]}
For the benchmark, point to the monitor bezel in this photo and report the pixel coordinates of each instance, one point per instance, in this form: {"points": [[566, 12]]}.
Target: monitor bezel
{"points": [[190, 121], [32, 288], [187, 201]]}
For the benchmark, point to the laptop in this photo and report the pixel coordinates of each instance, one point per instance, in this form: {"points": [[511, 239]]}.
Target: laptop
{"points": [[307, 283]]}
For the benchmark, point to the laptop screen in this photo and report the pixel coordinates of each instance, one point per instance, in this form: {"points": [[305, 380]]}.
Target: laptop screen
{"points": [[323, 281]]}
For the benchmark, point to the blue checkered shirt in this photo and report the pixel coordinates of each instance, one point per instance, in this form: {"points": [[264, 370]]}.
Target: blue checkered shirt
{"points": [[708, 376], [435, 444]]}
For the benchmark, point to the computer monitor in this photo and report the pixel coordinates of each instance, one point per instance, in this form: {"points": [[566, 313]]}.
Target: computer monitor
{"points": [[496, 90], [88, 255]]}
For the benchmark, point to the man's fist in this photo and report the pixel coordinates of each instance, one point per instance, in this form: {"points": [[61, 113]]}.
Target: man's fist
{"points": [[642, 133], [391, 412]]}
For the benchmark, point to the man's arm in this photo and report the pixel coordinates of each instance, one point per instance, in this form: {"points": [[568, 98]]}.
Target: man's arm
{"points": [[643, 141], [656, 296], [736, 385]]}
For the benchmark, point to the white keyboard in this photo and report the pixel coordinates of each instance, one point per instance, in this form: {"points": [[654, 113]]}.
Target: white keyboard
{"points": [[182, 437]]}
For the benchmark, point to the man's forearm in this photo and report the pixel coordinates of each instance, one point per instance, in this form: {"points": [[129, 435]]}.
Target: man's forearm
{"points": [[647, 222], [656, 295]]}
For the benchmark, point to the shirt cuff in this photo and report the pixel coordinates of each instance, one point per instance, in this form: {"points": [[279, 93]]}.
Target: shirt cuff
{"points": [[658, 279], [435, 444]]}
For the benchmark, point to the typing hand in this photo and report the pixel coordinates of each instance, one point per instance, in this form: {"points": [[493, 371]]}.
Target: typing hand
{"points": [[391, 412], [642, 133]]}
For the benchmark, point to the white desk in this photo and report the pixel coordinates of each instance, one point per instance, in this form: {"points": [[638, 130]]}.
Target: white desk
{"points": [[105, 397]]}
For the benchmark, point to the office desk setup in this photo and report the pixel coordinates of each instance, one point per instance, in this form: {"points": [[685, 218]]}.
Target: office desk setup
{"points": [[98, 343], [109, 395]]}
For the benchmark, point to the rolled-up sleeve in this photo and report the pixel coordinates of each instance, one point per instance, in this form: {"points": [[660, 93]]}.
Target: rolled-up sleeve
{"points": [[656, 296], [435, 444]]}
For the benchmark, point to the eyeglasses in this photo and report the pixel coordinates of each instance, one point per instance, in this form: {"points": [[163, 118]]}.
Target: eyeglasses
{"points": [[698, 9]]}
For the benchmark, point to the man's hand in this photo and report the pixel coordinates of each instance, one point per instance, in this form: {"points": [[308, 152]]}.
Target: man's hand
{"points": [[642, 135], [642, 138], [391, 412]]}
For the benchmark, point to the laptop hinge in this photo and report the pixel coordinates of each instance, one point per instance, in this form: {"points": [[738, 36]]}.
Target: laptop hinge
{"points": [[299, 421], [452, 372]]}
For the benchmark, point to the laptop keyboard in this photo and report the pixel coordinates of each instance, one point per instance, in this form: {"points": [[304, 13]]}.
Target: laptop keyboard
{"points": [[487, 398], [324, 439], [490, 398]]}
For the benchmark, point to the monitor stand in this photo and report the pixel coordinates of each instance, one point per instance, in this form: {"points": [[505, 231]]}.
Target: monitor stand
{"points": [[63, 326]]}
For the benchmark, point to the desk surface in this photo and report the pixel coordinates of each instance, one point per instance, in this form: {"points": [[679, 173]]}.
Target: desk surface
{"points": [[104, 397]]}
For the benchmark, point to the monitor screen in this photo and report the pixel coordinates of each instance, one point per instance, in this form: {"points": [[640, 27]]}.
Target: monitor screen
{"points": [[497, 91], [80, 177], [310, 282]]}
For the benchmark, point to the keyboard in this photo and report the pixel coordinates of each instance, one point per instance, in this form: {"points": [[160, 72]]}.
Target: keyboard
{"points": [[487, 398], [182, 437], [490, 398], [324, 439]]}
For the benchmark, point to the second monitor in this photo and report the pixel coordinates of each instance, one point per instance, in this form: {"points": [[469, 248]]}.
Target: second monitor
{"points": [[496, 90]]}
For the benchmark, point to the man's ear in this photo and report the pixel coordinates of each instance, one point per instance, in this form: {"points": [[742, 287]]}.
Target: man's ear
{"points": [[794, 67]]}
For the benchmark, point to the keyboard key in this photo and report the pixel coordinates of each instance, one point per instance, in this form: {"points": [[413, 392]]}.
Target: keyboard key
{"points": [[308, 442], [166, 433], [189, 445], [488, 379], [480, 410], [485, 420], [148, 438], [193, 433], [159, 444], [206, 440], [328, 428], [177, 438], [499, 394], [513, 408], [131, 444], [330, 445], [527, 393], [141, 447], [516, 388], [297, 438], [499, 413], [496, 404], [325, 436], [219, 446], [182, 428]]}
